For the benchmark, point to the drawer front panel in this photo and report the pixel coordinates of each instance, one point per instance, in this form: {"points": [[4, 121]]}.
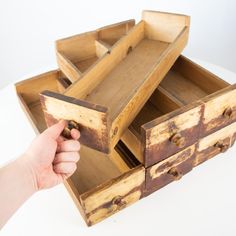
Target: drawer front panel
{"points": [[114, 196], [162, 139], [215, 143], [220, 110], [169, 170]]}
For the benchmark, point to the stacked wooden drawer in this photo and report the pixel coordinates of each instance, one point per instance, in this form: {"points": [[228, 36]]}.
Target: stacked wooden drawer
{"points": [[137, 136]]}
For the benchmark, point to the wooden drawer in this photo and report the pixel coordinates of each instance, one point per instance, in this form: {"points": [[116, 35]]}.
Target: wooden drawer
{"points": [[76, 54], [169, 170], [100, 186], [181, 110], [107, 97], [215, 143]]}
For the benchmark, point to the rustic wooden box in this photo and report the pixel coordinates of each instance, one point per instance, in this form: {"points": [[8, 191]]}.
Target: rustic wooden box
{"points": [[103, 185], [187, 120], [189, 104], [111, 92]]}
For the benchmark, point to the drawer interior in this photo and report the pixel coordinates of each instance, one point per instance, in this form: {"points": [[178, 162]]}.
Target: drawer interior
{"points": [[94, 168], [160, 103], [184, 84], [85, 49], [188, 82]]}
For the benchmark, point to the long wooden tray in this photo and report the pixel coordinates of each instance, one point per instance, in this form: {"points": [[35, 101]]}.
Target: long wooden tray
{"points": [[107, 97]]}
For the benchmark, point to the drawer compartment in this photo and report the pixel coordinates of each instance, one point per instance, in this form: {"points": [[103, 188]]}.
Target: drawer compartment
{"points": [[109, 95], [179, 112], [215, 143], [189, 82], [76, 54], [169, 170], [100, 186]]}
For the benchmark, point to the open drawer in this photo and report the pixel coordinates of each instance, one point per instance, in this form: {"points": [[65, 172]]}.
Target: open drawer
{"points": [[107, 97], [100, 186], [78, 53], [189, 103]]}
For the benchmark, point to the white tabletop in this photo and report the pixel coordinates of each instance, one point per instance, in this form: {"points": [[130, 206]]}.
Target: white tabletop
{"points": [[202, 203]]}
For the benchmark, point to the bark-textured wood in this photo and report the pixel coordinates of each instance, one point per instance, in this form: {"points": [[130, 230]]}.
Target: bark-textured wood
{"points": [[92, 120], [169, 170], [215, 143]]}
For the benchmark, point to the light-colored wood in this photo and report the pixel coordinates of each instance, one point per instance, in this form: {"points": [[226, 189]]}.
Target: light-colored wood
{"points": [[78, 53], [124, 78], [96, 74], [156, 22], [97, 175], [71, 71]]}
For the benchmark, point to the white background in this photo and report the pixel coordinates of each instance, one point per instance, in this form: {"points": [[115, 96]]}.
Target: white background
{"points": [[28, 29], [202, 203]]}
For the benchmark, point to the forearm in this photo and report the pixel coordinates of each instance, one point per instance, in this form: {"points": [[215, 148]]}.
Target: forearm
{"points": [[17, 184]]}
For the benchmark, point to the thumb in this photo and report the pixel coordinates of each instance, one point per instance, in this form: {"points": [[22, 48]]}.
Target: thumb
{"points": [[55, 130]]}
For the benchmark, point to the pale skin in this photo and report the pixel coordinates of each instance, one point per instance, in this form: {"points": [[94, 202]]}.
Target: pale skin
{"points": [[48, 161]]}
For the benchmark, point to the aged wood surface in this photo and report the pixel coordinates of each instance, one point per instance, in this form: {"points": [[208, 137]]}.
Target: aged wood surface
{"points": [[215, 143], [170, 169], [114, 196], [92, 120], [170, 133], [220, 109]]}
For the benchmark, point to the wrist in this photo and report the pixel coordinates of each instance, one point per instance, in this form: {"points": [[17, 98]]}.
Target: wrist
{"points": [[29, 173]]}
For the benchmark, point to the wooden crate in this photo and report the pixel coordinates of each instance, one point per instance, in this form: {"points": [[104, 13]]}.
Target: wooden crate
{"points": [[109, 94], [189, 104]]}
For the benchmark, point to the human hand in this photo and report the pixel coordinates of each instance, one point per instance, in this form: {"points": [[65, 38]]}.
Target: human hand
{"points": [[51, 158]]}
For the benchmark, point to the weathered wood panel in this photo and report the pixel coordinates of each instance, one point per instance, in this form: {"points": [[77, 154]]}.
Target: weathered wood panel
{"points": [[114, 196], [169, 170], [220, 110], [215, 143], [92, 119], [171, 133]]}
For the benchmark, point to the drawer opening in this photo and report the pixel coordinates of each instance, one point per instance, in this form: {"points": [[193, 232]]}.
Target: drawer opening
{"points": [[84, 50], [29, 90], [188, 82], [159, 104], [94, 167]]}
